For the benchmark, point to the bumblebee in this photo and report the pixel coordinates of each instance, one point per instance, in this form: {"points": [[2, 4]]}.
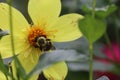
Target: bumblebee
{"points": [[43, 43]]}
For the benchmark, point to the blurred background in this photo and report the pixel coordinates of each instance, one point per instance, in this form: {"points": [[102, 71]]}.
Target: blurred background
{"points": [[106, 49]]}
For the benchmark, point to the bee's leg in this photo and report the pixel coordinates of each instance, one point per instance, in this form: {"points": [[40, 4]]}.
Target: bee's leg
{"points": [[53, 48]]}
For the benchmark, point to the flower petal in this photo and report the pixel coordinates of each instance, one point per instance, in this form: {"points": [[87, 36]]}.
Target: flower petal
{"points": [[2, 76], [66, 28], [19, 22], [57, 71], [28, 60], [44, 12], [20, 44]]}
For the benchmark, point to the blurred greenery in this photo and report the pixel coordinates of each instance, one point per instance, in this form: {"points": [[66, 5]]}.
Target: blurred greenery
{"points": [[78, 75]]}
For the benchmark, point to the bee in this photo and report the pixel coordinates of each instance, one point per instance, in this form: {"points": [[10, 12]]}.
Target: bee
{"points": [[44, 44]]}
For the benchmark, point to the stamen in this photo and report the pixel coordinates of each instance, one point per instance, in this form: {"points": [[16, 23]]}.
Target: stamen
{"points": [[35, 32]]}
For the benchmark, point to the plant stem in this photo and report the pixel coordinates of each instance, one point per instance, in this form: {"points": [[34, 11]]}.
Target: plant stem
{"points": [[93, 8], [11, 31], [11, 26], [11, 72], [110, 46], [117, 34], [91, 45], [116, 30], [91, 62]]}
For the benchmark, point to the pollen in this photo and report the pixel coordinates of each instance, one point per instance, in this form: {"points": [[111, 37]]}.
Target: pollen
{"points": [[34, 32]]}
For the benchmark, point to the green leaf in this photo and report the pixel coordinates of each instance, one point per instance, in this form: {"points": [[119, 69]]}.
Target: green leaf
{"points": [[92, 28], [21, 74], [3, 67], [101, 12], [49, 58], [86, 9], [106, 11]]}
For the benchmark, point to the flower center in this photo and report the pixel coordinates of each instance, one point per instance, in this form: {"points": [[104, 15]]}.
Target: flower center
{"points": [[38, 38]]}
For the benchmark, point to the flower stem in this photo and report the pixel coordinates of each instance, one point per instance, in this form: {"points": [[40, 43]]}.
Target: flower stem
{"points": [[91, 45], [116, 30], [117, 34], [11, 32], [93, 8], [91, 62], [11, 26], [11, 71]]}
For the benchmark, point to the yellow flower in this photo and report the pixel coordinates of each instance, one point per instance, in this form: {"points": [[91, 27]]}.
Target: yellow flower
{"points": [[31, 40], [2, 76]]}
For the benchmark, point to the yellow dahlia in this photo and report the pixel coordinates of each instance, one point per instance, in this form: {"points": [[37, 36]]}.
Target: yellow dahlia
{"points": [[31, 40]]}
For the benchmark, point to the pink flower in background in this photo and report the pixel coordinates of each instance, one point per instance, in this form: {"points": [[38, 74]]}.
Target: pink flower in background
{"points": [[112, 53], [110, 75]]}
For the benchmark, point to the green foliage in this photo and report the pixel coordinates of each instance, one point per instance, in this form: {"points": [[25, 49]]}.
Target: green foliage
{"points": [[105, 12], [3, 68], [21, 74], [116, 69], [92, 28], [102, 12], [77, 75]]}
